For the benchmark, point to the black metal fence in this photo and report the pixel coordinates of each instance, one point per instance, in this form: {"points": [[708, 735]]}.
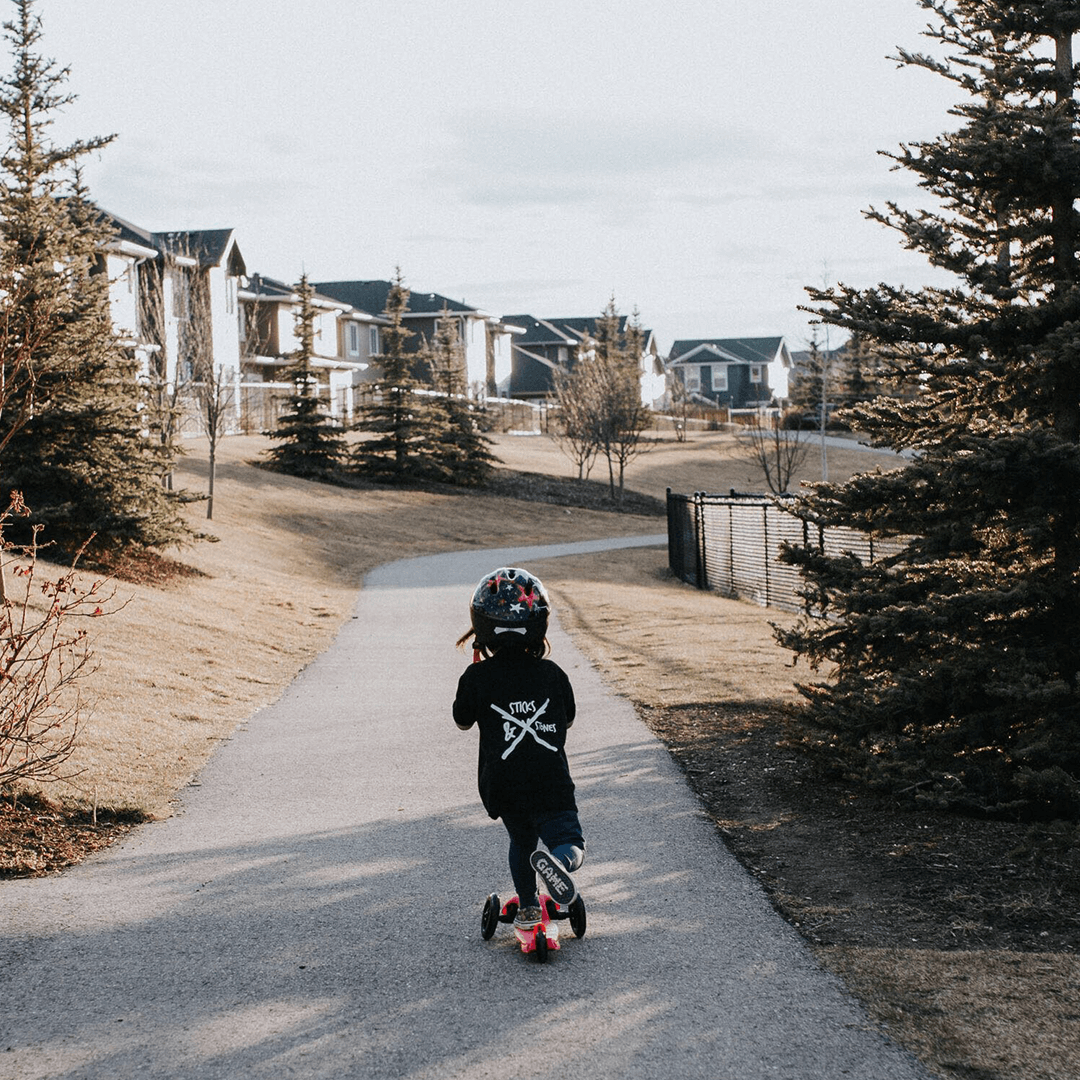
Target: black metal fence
{"points": [[731, 543]]}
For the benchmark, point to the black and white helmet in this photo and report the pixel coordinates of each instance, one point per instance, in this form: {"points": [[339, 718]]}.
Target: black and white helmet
{"points": [[509, 606]]}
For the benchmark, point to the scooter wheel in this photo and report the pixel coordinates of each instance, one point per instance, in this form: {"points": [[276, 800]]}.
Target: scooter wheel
{"points": [[490, 918], [541, 946], [578, 921]]}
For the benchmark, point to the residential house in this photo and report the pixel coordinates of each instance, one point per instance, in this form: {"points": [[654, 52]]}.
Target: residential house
{"points": [[736, 373], [484, 338], [345, 339], [123, 259], [546, 345], [174, 297], [200, 276]]}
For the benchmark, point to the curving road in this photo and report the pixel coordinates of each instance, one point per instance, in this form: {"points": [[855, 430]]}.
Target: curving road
{"points": [[313, 908]]}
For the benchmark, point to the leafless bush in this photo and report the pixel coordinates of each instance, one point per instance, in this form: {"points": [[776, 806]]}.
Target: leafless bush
{"points": [[577, 432], [44, 656], [777, 452]]}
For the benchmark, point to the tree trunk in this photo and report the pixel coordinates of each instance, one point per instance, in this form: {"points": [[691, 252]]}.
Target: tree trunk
{"points": [[210, 487], [1066, 390]]}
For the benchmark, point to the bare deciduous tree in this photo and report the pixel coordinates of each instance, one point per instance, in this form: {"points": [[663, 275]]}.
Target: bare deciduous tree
{"points": [[577, 432], [777, 452], [627, 418], [167, 380], [600, 399], [211, 387], [215, 395], [681, 398]]}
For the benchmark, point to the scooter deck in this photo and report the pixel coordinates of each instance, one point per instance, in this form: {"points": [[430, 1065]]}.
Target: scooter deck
{"points": [[548, 927]]}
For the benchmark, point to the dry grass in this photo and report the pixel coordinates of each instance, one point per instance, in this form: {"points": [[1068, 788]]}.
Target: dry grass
{"points": [[181, 666], [661, 642], [711, 461]]}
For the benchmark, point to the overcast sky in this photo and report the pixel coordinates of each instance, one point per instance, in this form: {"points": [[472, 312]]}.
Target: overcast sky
{"points": [[702, 160]]}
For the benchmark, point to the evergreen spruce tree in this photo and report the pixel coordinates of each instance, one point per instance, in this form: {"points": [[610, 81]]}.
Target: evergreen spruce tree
{"points": [[397, 419], [77, 448], [806, 387], [858, 373], [461, 452], [955, 663], [310, 445], [860, 379]]}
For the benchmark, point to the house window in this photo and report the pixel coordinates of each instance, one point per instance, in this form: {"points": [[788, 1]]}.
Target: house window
{"points": [[711, 378], [564, 355], [755, 373], [373, 340], [693, 379], [352, 336]]}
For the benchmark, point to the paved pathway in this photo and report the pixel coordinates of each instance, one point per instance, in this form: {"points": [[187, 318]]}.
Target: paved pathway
{"points": [[313, 908]]}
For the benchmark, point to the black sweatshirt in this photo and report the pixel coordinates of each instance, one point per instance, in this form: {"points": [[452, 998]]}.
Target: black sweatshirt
{"points": [[523, 706]]}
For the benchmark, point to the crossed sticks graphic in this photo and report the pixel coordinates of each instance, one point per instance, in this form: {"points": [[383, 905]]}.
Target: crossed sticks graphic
{"points": [[526, 726]]}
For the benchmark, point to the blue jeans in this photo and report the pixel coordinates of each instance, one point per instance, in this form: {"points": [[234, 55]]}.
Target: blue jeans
{"points": [[560, 831]]}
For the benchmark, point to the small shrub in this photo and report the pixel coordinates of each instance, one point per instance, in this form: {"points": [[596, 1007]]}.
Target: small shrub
{"points": [[44, 655]]}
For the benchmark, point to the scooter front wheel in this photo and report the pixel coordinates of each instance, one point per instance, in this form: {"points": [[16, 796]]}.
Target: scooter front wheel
{"points": [[489, 920]]}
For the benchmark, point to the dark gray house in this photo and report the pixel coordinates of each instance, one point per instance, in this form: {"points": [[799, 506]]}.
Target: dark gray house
{"points": [[736, 373], [483, 336], [544, 345]]}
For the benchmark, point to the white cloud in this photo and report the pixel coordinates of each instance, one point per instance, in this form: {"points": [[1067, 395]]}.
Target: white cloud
{"points": [[701, 159]]}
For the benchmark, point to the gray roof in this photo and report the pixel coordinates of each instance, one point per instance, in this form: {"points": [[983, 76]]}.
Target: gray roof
{"points": [[372, 296], [125, 230], [538, 331], [761, 350], [208, 246], [270, 290], [558, 331]]}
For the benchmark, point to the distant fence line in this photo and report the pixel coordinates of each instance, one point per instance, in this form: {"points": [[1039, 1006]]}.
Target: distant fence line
{"points": [[731, 543], [254, 406]]}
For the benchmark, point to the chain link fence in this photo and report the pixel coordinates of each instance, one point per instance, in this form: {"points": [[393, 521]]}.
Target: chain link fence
{"points": [[731, 543]]}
